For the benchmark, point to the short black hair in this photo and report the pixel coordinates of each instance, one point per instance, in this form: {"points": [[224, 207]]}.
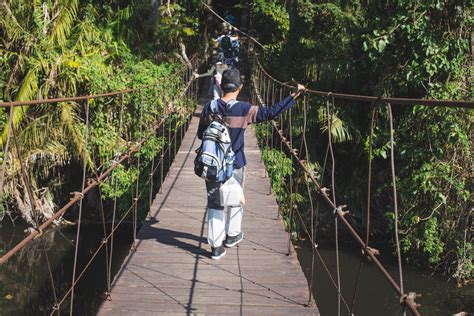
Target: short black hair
{"points": [[231, 80]]}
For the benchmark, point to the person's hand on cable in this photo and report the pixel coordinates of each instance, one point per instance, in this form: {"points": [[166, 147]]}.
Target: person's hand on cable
{"points": [[299, 89]]}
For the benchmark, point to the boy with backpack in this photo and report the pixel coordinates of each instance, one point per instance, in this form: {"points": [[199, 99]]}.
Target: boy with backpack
{"points": [[228, 45], [221, 155]]}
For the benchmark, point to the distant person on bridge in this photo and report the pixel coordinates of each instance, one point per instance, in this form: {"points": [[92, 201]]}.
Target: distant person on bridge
{"points": [[229, 45], [215, 73], [237, 116], [229, 18]]}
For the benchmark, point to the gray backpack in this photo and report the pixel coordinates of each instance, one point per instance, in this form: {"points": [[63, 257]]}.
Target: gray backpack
{"points": [[215, 157]]}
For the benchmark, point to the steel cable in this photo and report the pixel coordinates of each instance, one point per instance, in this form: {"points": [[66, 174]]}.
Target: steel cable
{"points": [[310, 197], [282, 140], [104, 229], [395, 202], [329, 116], [369, 196], [78, 232], [408, 302], [365, 98], [111, 234]]}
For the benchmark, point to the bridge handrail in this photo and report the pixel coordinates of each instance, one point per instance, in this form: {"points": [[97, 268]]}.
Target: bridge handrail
{"points": [[338, 210], [80, 195], [92, 96], [378, 99]]}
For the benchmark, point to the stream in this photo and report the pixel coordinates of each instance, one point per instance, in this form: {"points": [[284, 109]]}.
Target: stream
{"points": [[375, 296], [25, 286]]}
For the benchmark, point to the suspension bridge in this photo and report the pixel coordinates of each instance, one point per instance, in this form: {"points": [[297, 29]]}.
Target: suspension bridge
{"points": [[169, 270]]}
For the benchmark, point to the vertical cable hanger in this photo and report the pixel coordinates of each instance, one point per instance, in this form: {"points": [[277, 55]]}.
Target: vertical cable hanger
{"points": [[78, 232], [373, 123], [310, 198], [114, 211], [395, 205], [290, 127], [329, 116], [137, 184], [104, 228]]}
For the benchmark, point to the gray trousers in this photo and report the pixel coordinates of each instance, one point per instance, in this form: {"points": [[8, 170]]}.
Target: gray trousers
{"points": [[218, 224]]}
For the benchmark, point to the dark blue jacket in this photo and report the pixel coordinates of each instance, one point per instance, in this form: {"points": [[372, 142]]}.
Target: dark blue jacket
{"points": [[240, 115]]}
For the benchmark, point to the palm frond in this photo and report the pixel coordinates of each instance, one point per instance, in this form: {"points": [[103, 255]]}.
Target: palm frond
{"points": [[127, 12], [9, 22], [63, 23], [339, 131], [71, 129], [47, 158], [28, 89]]}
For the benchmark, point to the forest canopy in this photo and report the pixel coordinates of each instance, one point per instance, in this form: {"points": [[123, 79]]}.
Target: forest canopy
{"points": [[396, 49]]}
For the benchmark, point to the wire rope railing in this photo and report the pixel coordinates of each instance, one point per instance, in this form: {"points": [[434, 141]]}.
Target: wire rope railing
{"points": [[170, 122], [283, 132]]}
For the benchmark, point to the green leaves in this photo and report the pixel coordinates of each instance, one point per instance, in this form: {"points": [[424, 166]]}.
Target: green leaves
{"points": [[68, 48], [432, 244], [381, 44], [271, 19], [339, 130], [401, 49]]}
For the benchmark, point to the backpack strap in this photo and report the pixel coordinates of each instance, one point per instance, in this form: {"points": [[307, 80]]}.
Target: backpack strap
{"points": [[214, 107], [229, 104]]}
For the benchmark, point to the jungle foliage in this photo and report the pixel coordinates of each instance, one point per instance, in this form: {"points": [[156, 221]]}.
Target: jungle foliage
{"points": [[392, 48], [71, 47]]}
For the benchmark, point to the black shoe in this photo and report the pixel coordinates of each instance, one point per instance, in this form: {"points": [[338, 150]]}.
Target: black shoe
{"points": [[218, 252], [231, 241]]}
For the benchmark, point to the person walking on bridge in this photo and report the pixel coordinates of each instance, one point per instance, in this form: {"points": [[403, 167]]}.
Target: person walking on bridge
{"points": [[237, 116]]}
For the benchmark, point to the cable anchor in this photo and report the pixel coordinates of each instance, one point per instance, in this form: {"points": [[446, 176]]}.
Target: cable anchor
{"points": [[341, 208], [40, 232], [410, 299], [373, 251], [76, 194]]}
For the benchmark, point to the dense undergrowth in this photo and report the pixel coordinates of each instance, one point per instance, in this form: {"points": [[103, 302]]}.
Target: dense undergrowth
{"points": [[66, 48], [401, 49]]}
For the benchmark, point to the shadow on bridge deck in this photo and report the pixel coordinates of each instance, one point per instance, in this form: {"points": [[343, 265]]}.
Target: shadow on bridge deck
{"points": [[171, 272]]}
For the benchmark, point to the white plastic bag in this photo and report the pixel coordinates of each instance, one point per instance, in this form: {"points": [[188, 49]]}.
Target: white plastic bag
{"points": [[231, 193]]}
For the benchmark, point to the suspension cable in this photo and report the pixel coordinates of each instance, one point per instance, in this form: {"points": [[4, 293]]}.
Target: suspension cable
{"points": [[310, 197], [393, 101], [408, 302], [237, 29], [12, 104], [369, 196]]}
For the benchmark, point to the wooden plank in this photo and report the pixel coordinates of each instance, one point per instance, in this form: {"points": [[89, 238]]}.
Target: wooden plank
{"points": [[146, 308], [171, 271]]}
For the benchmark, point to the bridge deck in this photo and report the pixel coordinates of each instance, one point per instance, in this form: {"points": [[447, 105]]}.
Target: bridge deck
{"points": [[172, 273]]}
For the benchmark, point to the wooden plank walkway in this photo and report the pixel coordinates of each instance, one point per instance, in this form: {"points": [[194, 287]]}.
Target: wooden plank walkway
{"points": [[171, 272]]}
